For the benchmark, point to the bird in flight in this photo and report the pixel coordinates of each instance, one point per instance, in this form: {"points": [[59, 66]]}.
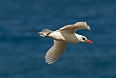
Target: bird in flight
{"points": [[61, 38]]}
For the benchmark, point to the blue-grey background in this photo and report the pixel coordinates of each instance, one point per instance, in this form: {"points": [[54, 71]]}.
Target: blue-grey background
{"points": [[22, 53]]}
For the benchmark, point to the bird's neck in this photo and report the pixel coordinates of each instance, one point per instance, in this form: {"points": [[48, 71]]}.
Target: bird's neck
{"points": [[78, 36]]}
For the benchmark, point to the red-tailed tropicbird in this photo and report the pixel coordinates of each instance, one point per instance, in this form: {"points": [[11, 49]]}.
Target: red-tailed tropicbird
{"points": [[61, 37]]}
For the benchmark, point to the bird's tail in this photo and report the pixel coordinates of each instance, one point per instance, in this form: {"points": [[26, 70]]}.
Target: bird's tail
{"points": [[45, 32], [21, 27]]}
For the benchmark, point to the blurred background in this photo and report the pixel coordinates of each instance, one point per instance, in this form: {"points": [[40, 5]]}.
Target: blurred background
{"points": [[22, 53]]}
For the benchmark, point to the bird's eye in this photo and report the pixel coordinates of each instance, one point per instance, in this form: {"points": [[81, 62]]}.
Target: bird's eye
{"points": [[83, 38]]}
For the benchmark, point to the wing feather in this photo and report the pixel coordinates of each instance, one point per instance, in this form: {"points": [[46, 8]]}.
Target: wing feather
{"points": [[73, 27], [55, 51]]}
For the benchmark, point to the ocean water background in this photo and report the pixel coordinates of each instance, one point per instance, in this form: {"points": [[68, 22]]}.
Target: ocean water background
{"points": [[22, 53]]}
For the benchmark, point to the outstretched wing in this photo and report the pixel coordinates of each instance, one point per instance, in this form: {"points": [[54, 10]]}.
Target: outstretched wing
{"points": [[55, 51], [72, 28]]}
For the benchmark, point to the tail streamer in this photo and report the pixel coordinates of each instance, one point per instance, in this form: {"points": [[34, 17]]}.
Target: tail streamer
{"points": [[21, 28]]}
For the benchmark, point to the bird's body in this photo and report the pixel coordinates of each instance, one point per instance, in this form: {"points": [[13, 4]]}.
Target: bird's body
{"points": [[68, 38], [61, 38]]}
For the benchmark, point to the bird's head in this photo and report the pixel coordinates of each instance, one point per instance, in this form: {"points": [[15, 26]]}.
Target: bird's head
{"points": [[84, 39]]}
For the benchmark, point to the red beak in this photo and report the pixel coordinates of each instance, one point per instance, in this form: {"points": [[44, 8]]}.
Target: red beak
{"points": [[89, 41]]}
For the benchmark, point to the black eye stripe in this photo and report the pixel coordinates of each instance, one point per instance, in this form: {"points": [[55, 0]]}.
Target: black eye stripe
{"points": [[83, 38]]}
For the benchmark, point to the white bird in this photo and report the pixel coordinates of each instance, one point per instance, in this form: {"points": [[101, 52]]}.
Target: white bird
{"points": [[61, 38]]}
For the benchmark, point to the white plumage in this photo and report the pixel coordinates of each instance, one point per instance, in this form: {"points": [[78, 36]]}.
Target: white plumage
{"points": [[55, 51], [61, 37]]}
